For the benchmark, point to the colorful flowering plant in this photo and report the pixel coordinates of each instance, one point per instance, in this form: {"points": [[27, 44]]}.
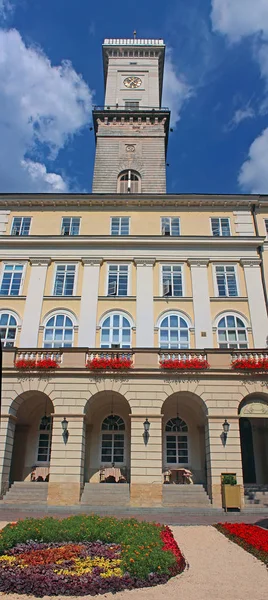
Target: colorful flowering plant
{"points": [[250, 364], [115, 364], [193, 364], [66, 557], [31, 364], [252, 538]]}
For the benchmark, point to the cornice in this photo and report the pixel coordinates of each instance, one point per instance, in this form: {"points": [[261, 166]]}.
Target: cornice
{"points": [[250, 262], [144, 262], [93, 261], [39, 261], [126, 201], [198, 262]]}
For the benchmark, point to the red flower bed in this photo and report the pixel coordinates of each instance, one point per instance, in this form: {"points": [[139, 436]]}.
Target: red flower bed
{"points": [[250, 364], [172, 546], [194, 364], [104, 364], [252, 538], [45, 363]]}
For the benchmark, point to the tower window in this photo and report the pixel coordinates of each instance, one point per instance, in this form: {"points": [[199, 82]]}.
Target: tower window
{"points": [[129, 182], [131, 105]]}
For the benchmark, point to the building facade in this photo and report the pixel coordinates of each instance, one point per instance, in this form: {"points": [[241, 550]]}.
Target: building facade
{"points": [[130, 272]]}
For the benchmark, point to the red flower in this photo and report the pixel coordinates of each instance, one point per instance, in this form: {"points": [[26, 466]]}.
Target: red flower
{"points": [[250, 364], [193, 364], [116, 364], [45, 363], [171, 545], [251, 534]]}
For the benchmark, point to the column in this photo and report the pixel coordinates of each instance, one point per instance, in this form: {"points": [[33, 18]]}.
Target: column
{"points": [[145, 303], [67, 461], [201, 302], [257, 308], [89, 302], [222, 457], [146, 461], [7, 432], [34, 301]]}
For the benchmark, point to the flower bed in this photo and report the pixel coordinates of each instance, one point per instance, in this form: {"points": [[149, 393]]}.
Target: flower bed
{"points": [[252, 538], [85, 555], [246, 364], [105, 364], [193, 364], [30, 364]]}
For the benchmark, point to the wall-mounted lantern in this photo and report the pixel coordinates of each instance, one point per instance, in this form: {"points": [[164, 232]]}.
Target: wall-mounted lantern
{"points": [[226, 427], [65, 432], [146, 426]]}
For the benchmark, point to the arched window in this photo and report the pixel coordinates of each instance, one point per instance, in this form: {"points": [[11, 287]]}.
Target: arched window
{"points": [[8, 329], [232, 332], [112, 440], [129, 182], [176, 442], [58, 332], [174, 332], [116, 332], [44, 442]]}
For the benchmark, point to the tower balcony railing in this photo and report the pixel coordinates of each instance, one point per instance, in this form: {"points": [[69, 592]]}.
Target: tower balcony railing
{"points": [[122, 107], [141, 359]]}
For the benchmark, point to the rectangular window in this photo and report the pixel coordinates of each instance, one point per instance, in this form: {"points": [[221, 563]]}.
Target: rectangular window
{"points": [[177, 449], [172, 280], [226, 280], [70, 225], [131, 105], [118, 280], [21, 226], [43, 454], [220, 226], [120, 225], [170, 226], [11, 280], [266, 225], [112, 448], [64, 280]]}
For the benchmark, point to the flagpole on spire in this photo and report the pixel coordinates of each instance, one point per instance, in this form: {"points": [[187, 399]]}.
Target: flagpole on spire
{"points": [[134, 34]]}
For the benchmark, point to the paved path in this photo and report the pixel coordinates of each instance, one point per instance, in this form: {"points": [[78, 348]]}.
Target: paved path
{"points": [[217, 570]]}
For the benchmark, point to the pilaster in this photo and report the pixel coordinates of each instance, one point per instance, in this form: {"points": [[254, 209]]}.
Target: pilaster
{"points": [[7, 432], [257, 308], [89, 302], [201, 302], [34, 301], [145, 303], [146, 461]]}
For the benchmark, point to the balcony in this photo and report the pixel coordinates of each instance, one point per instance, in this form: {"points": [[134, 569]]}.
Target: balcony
{"points": [[140, 359]]}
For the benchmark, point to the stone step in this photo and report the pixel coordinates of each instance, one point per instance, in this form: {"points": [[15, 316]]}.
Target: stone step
{"points": [[185, 495], [22, 492], [105, 494]]}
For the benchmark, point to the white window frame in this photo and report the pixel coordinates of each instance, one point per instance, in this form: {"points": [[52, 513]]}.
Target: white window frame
{"points": [[120, 225], [238, 316], [71, 219], [10, 313], [110, 431], [75, 264], [23, 265], [55, 313], [220, 227], [215, 279], [122, 314], [44, 463], [177, 434], [161, 287], [124, 264], [18, 217], [170, 226], [129, 172], [175, 313]]}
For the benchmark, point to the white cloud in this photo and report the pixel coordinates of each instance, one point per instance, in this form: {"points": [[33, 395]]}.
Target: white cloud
{"points": [[253, 176], [41, 108], [5, 8], [240, 115], [175, 89], [240, 18]]}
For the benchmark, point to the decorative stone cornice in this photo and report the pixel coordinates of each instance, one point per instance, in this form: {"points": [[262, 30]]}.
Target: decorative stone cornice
{"points": [[198, 262], [39, 262], [250, 262], [93, 261], [144, 262]]}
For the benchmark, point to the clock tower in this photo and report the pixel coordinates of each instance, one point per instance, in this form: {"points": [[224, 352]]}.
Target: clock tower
{"points": [[132, 127]]}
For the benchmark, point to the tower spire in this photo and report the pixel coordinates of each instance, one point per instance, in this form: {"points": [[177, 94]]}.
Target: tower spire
{"points": [[134, 34]]}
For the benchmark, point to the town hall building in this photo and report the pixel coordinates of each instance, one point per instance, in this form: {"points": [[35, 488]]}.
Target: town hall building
{"points": [[133, 323]]}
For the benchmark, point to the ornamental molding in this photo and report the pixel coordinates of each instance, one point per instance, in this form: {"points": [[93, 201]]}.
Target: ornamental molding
{"points": [[198, 262], [250, 262], [254, 409], [144, 262], [39, 262], [132, 162], [91, 262]]}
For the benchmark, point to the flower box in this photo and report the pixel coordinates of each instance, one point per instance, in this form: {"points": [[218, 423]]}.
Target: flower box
{"points": [[34, 365], [250, 364], [109, 364], [194, 364]]}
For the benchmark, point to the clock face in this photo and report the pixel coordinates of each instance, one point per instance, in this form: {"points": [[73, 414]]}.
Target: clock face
{"points": [[132, 82]]}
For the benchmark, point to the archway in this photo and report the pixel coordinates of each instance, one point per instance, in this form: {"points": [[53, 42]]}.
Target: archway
{"points": [[32, 437], [184, 421], [253, 414], [107, 443]]}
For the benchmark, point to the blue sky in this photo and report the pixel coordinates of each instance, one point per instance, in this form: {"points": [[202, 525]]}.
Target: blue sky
{"points": [[216, 85]]}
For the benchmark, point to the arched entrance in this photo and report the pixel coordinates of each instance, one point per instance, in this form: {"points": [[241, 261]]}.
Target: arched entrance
{"points": [[107, 444], [253, 414], [32, 438]]}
